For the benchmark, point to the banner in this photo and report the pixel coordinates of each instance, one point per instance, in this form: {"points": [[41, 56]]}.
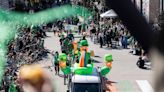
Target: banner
{"points": [[71, 27]]}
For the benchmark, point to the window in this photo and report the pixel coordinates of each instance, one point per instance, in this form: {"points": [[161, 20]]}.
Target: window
{"points": [[161, 6], [86, 87]]}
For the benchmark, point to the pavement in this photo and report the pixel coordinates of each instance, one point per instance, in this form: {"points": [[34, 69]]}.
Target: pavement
{"points": [[125, 76]]}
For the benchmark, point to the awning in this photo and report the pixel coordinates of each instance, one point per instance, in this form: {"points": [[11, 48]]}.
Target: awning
{"points": [[109, 14]]}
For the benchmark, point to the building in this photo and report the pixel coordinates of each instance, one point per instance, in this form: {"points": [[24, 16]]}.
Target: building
{"points": [[161, 6], [151, 9], [4, 4]]}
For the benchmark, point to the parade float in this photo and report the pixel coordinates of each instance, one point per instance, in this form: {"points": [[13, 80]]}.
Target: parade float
{"points": [[84, 64]]}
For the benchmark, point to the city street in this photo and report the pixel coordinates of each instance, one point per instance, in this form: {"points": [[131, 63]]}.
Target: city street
{"points": [[81, 45], [125, 76]]}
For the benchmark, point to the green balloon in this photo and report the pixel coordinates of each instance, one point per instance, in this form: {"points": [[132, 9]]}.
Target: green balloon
{"points": [[105, 70], [67, 70], [108, 58], [83, 70]]}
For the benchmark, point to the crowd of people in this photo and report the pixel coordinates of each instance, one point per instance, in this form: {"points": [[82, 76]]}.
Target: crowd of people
{"points": [[27, 48], [35, 5], [115, 35]]}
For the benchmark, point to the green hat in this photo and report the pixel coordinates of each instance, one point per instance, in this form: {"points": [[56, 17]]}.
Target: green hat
{"points": [[108, 58], [83, 43], [62, 57]]}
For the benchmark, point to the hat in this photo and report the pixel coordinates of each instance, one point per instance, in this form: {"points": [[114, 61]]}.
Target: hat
{"points": [[83, 43], [108, 58], [62, 57]]}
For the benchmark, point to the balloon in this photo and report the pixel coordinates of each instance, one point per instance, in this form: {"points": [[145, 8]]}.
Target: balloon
{"points": [[109, 64], [90, 65], [76, 52], [82, 59], [62, 57], [84, 48], [84, 43], [75, 45], [83, 70], [108, 58], [105, 70], [62, 64], [66, 70]]}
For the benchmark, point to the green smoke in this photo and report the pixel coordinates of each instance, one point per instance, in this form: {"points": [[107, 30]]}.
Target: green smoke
{"points": [[46, 16], [11, 21]]}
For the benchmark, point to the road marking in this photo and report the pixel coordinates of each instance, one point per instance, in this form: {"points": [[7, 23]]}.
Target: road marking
{"points": [[126, 86], [144, 86]]}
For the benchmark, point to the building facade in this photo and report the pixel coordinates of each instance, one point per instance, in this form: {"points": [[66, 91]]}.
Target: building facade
{"points": [[161, 6], [4, 4], [151, 9]]}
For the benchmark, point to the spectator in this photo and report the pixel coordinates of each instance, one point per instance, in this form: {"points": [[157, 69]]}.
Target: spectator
{"points": [[141, 63], [56, 62], [101, 39]]}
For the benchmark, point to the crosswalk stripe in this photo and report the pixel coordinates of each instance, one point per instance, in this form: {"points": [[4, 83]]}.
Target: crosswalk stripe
{"points": [[144, 86], [125, 86]]}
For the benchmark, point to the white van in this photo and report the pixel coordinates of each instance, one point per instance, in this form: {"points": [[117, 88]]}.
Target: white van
{"points": [[86, 83]]}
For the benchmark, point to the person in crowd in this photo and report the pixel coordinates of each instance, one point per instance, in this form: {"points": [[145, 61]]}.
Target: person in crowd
{"points": [[61, 39], [69, 59], [92, 33], [71, 36], [54, 29], [108, 38], [124, 40], [145, 57], [141, 63], [100, 39], [56, 63], [117, 38], [104, 37], [27, 48], [84, 37]]}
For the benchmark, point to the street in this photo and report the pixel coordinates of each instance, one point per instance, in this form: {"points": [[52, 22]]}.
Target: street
{"points": [[125, 76], [97, 45]]}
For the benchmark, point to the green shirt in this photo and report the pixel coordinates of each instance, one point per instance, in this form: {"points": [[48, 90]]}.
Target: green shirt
{"points": [[56, 59], [12, 88]]}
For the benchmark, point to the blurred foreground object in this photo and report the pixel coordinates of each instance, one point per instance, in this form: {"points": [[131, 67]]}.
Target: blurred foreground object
{"points": [[134, 21], [34, 79], [144, 34]]}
